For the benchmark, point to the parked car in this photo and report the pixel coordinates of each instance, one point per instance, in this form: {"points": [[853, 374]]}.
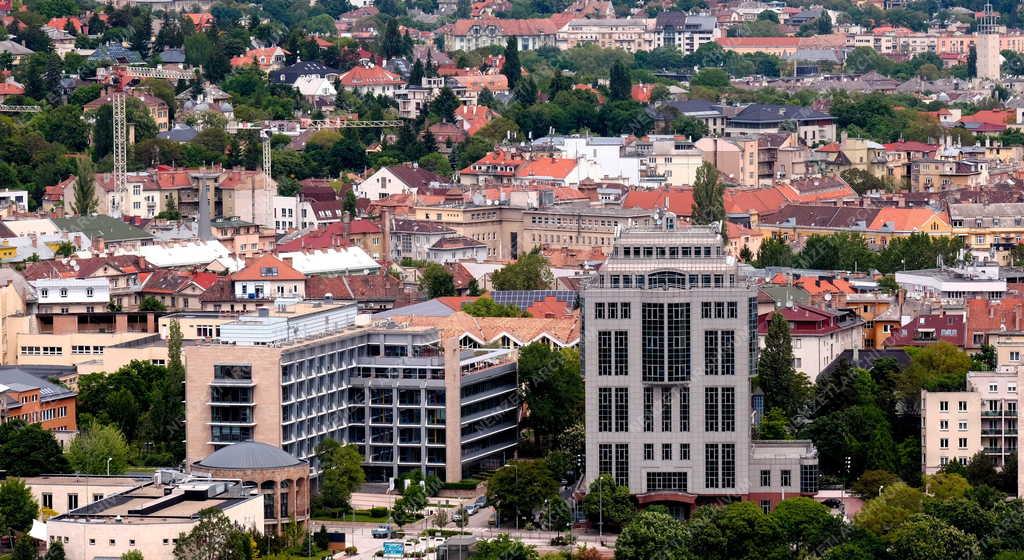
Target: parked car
{"points": [[471, 509], [382, 532], [481, 502]]}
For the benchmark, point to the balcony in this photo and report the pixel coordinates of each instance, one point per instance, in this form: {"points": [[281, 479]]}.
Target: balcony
{"points": [[993, 450]]}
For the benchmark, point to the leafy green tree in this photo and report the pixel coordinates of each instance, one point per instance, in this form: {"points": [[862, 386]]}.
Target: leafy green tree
{"points": [[917, 251], [85, 203], [867, 486], [391, 42], [17, 507], [690, 127], [445, 104], [56, 552], [552, 388], [321, 539], [807, 525], [526, 91], [504, 548], [710, 78], [896, 505], [783, 387], [529, 272], [89, 451], [511, 67], [406, 508], [215, 537], [24, 549], [150, 303], [985, 359], [64, 125], [132, 555], [824, 24], [774, 252], [936, 367], [350, 202], [739, 530], [774, 426], [29, 450], [837, 251], [943, 486], [620, 86], [519, 489], [103, 131], [436, 281], [436, 162], [487, 307], [708, 196], [651, 534], [981, 470], [926, 538], [610, 503], [768, 15], [341, 474]]}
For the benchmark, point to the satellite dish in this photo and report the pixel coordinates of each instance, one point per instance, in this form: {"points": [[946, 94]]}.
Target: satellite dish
{"points": [[828, 297]]}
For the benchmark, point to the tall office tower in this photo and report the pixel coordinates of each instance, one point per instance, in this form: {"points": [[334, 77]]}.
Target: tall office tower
{"points": [[670, 348]]}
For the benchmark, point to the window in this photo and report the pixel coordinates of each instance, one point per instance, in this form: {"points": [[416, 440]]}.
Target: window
{"points": [[666, 452], [666, 409], [92, 542], [648, 409], [621, 409], [766, 478], [786, 478], [47, 500], [944, 425], [63, 292], [622, 464], [808, 479], [1015, 356], [962, 443], [943, 406], [766, 506], [604, 409], [684, 451], [684, 409], [961, 426], [666, 481], [993, 388], [599, 311], [961, 406], [711, 465], [943, 443], [72, 501]]}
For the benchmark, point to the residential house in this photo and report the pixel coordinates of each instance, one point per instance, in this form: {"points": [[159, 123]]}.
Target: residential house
{"points": [[397, 179], [819, 336], [627, 34], [369, 78], [811, 126], [685, 32], [267, 278], [266, 59], [26, 394], [794, 223], [156, 107], [530, 34]]}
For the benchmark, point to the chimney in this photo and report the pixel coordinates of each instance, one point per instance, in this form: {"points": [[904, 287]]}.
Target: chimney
{"points": [[99, 244], [346, 218], [204, 212], [385, 221]]}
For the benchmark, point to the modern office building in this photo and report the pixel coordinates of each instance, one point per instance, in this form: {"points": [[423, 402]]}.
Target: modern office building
{"points": [[669, 348], [297, 374]]}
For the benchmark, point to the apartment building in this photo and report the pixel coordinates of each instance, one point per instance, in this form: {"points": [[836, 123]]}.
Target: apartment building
{"points": [[953, 285], [670, 160], [819, 335], [627, 34], [685, 32], [933, 175], [669, 345], [406, 398], [795, 223], [530, 34], [993, 227], [27, 395], [957, 425], [811, 126]]}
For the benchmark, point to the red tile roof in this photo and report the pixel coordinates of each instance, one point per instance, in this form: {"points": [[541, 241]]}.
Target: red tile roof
{"points": [[910, 146], [556, 168], [363, 76], [260, 267], [929, 329]]}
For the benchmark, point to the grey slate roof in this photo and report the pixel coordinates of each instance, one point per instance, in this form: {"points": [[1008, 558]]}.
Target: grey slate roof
{"points": [[180, 133], [101, 225], [249, 455], [112, 52], [172, 56], [22, 378], [763, 113]]}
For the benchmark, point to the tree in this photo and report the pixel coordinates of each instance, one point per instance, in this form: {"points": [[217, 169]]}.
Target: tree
{"points": [[85, 203], [24, 549], [486, 307], [391, 43], [552, 388], [650, 534], [17, 507], [519, 489], [341, 474], [56, 552], [436, 281], [981, 470], [413, 500], [436, 162], [897, 503], [985, 359], [972, 62], [837, 251], [529, 272], [504, 548], [926, 538], [936, 367], [774, 252], [943, 486], [29, 450], [708, 196], [609, 502], [620, 87], [738, 530], [132, 555], [90, 451], [511, 67], [64, 125], [215, 537], [862, 181], [690, 127], [445, 104], [774, 426], [321, 539], [824, 24], [870, 482], [150, 303], [710, 78], [783, 387], [806, 525]]}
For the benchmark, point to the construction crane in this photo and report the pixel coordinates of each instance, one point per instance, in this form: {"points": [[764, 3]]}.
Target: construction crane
{"points": [[321, 124], [120, 77], [20, 108]]}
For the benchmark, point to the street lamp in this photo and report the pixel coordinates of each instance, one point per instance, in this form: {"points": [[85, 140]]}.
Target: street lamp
{"points": [[109, 459], [880, 488]]}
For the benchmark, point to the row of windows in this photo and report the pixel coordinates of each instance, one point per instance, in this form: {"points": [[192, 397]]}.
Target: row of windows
{"points": [[613, 353], [612, 310], [613, 409], [961, 406], [667, 398], [666, 452], [719, 409], [961, 443], [613, 460], [719, 310], [785, 478], [86, 349], [719, 353], [665, 346], [667, 280], [720, 465], [45, 292], [42, 351], [961, 425], [705, 251]]}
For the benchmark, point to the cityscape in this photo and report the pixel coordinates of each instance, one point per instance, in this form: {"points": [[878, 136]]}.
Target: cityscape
{"points": [[511, 279]]}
